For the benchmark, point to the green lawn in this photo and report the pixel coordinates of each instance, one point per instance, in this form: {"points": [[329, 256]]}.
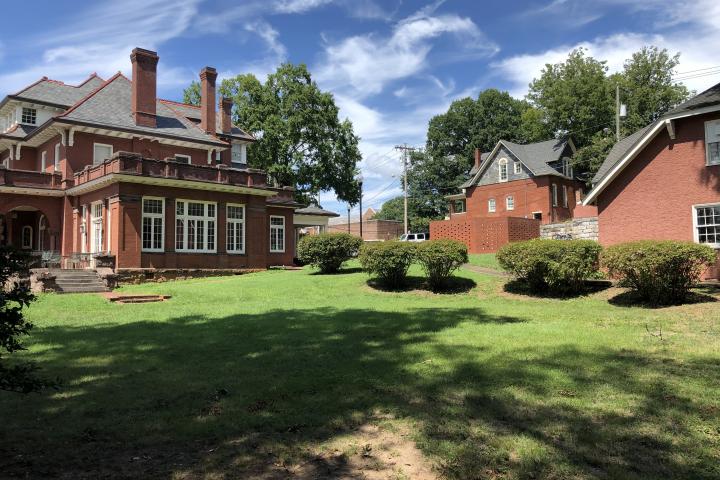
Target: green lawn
{"points": [[486, 260], [241, 377]]}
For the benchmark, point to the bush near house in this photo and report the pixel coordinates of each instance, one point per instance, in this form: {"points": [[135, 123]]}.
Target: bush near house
{"points": [[328, 251], [552, 266], [439, 259], [661, 272], [388, 261]]}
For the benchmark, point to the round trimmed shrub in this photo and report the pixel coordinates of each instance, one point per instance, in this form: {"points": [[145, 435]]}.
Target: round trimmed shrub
{"points": [[328, 251], [552, 266], [660, 272], [388, 261], [439, 259]]}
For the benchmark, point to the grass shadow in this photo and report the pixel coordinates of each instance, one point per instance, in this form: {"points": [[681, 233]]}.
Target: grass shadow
{"points": [[454, 285], [519, 287], [342, 271], [630, 298]]}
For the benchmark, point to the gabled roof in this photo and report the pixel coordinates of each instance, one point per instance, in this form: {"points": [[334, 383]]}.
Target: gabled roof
{"points": [[315, 210], [535, 156], [56, 93], [626, 149], [475, 168]]}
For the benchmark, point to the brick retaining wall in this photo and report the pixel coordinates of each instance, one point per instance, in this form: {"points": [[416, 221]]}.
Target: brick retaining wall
{"points": [[486, 235]]}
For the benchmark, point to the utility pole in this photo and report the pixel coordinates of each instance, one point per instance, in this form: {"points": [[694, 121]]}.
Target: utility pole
{"points": [[405, 152], [617, 111]]}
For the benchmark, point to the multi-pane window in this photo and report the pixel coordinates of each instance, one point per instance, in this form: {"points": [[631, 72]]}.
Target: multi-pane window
{"points": [[236, 229], [277, 234], [707, 223], [510, 202], [459, 206], [517, 168], [29, 116], [96, 225], [491, 205], [153, 231], [712, 142], [567, 167], [503, 169], [554, 195], [101, 152], [195, 226]]}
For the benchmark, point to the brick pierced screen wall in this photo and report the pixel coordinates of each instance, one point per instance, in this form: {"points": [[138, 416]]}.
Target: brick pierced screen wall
{"points": [[486, 235]]}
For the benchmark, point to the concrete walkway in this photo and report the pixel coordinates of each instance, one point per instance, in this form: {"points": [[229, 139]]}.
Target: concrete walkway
{"points": [[486, 271]]}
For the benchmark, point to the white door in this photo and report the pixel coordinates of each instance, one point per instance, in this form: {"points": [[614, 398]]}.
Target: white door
{"points": [[96, 228]]}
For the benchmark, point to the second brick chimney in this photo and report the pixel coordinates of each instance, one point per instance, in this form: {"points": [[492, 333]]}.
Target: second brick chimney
{"points": [[144, 86], [478, 158], [208, 75], [226, 114]]}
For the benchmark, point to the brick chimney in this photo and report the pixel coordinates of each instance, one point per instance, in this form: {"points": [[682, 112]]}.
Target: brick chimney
{"points": [[144, 86], [478, 157], [207, 100], [226, 114]]}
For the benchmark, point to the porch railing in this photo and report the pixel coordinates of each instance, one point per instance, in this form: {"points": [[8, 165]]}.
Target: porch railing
{"points": [[30, 179]]}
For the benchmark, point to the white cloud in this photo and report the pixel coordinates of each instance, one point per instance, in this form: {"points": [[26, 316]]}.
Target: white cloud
{"points": [[299, 6]]}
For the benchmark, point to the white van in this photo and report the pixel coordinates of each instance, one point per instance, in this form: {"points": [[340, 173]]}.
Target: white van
{"points": [[414, 237]]}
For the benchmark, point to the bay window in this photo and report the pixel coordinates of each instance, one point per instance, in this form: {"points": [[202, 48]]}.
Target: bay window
{"points": [[195, 226], [277, 234], [153, 231], [235, 228]]}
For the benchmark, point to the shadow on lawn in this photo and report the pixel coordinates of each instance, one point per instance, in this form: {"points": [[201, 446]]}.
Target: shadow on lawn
{"points": [[630, 298], [519, 287], [453, 285], [238, 396]]}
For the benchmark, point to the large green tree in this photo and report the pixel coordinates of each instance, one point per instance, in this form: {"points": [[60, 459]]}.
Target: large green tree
{"points": [[301, 140]]}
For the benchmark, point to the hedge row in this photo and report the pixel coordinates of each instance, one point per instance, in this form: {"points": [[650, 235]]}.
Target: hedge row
{"points": [[660, 272], [389, 261]]}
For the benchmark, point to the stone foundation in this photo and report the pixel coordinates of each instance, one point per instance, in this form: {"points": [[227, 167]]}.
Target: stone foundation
{"points": [[42, 280], [577, 229], [142, 275]]}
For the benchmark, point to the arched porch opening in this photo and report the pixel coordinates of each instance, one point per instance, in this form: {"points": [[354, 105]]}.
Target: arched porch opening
{"points": [[28, 228]]}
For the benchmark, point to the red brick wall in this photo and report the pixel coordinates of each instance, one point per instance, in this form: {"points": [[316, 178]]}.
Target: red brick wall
{"points": [[372, 229], [653, 197], [486, 235], [530, 195]]}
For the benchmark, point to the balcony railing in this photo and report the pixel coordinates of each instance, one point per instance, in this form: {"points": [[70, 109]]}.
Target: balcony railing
{"points": [[29, 179], [134, 164]]}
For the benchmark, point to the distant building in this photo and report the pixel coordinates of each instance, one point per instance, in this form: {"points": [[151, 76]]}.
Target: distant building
{"points": [[372, 228]]}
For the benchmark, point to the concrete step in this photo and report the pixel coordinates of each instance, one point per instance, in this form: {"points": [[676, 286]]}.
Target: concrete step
{"points": [[91, 289]]}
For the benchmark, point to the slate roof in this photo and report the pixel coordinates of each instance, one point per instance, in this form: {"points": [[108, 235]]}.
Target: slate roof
{"points": [[19, 131], [315, 210], [111, 106], [475, 168], [618, 152], [193, 113], [708, 98], [535, 156], [58, 93]]}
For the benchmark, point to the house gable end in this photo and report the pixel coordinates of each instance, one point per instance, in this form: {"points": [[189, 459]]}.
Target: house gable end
{"points": [[490, 174]]}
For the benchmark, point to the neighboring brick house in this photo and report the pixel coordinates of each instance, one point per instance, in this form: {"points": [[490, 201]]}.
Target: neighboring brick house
{"points": [[372, 229], [530, 184], [106, 169], [663, 181]]}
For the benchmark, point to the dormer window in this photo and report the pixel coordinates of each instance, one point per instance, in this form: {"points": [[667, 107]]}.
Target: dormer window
{"points": [[29, 116], [503, 169], [712, 142], [567, 167]]}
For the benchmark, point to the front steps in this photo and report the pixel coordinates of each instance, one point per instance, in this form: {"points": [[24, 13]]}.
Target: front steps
{"points": [[78, 281]]}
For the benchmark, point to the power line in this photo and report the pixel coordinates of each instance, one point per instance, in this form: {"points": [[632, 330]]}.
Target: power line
{"points": [[406, 151], [697, 70]]}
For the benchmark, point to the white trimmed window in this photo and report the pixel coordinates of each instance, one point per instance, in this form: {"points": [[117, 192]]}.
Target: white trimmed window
{"points": [[195, 226], [101, 152], [564, 196], [510, 202], [567, 167], [554, 195], [29, 116], [517, 168], [235, 228], [459, 206], [56, 159], [491, 205], [707, 224], [153, 224], [712, 142], [43, 160], [180, 158], [27, 237], [503, 170], [277, 234]]}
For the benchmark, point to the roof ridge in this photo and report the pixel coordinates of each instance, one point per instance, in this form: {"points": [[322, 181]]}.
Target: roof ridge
{"points": [[163, 100], [187, 122], [92, 93], [30, 86]]}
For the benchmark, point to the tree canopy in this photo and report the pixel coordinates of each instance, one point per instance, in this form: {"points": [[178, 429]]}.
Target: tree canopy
{"points": [[301, 140]]}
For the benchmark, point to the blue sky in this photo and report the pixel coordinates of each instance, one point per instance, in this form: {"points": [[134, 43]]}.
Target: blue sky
{"points": [[391, 64]]}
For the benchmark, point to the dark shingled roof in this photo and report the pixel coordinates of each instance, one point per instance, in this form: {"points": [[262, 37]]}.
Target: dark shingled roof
{"points": [[708, 98], [193, 113], [475, 168], [618, 152], [111, 106], [58, 93], [315, 210]]}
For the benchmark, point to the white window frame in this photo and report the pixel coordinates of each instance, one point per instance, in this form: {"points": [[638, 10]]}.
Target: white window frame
{"points": [[564, 196], [462, 202], [503, 166], [510, 202], [235, 222], [83, 229], [712, 135], [277, 227], [56, 160], [42, 226], [517, 168], [96, 227], [43, 160], [185, 217], [696, 234], [153, 218], [554, 190], [24, 245], [492, 205], [95, 159], [567, 168], [186, 157], [32, 112]]}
